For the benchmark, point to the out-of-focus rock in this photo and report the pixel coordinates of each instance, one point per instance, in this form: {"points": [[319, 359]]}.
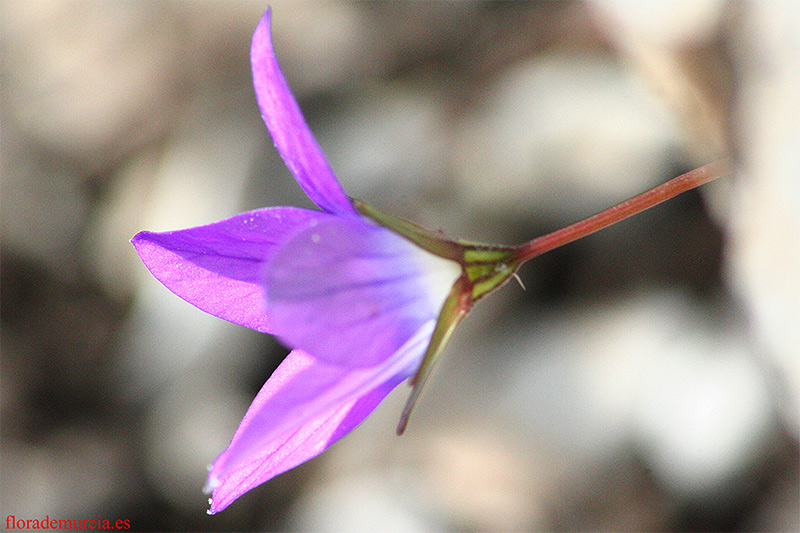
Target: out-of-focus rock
{"points": [[655, 372], [764, 252], [91, 81], [558, 138]]}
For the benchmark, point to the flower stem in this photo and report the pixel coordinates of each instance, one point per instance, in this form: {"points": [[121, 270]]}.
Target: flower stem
{"points": [[623, 210]]}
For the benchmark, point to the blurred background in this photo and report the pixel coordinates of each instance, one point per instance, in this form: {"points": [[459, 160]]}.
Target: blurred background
{"points": [[647, 378]]}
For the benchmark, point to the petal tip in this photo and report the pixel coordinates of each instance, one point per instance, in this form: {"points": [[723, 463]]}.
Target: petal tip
{"points": [[263, 27], [290, 133]]}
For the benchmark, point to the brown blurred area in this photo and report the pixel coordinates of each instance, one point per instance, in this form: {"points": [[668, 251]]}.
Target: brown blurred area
{"points": [[647, 378]]}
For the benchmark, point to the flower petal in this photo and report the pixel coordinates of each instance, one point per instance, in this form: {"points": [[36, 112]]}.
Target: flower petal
{"points": [[290, 133], [305, 406], [351, 293], [218, 267]]}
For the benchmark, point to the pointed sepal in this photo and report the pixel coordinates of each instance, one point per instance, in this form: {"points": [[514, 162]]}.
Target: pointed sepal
{"points": [[454, 309], [436, 243]]}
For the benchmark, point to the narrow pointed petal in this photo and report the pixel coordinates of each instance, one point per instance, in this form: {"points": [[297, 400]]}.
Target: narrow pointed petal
{"points": [[295, 448], [290, 133], [304, 407], [217, 267], [351, 293]]}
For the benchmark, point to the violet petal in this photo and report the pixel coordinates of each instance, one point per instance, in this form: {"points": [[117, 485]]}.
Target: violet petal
{"points": [[351, 293], [217, 267], [305, 406], [290, 133]]}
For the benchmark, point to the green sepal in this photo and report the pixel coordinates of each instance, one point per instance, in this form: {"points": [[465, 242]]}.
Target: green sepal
{"points": [[454, 309], [436, 243]]}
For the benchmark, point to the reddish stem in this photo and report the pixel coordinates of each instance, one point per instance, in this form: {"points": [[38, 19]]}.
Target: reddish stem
{"points": [[623, 210]]}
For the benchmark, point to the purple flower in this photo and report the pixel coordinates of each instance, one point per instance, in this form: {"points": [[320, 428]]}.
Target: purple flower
{"points": [[361, 305], [365, 300]]}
